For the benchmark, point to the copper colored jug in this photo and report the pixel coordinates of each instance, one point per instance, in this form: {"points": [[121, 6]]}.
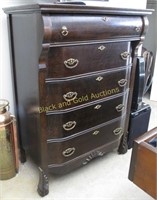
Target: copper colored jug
{"points": [[8, 143]]}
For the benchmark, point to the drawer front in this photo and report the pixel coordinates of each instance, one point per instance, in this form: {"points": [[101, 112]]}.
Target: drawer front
{"points": [[75, 60], [75, 92], [59, 28], [59, 152], [64, 124]]}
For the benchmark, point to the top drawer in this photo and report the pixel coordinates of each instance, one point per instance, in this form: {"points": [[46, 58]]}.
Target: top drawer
{"points": [[59, 28]]}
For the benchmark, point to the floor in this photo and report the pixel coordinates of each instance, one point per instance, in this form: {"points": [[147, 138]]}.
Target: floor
{"points": [[105, 178]]}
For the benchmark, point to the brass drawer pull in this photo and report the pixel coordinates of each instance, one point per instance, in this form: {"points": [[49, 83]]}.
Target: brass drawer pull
{"points": [[64, 31], [71, 63], [118, 131], [102, 47], [137, 29], [99, 78], [95, 133], [122, 82], [97, 107], [125, 55], [120, 107], [69, 125], [68, 152], [70, 96]]}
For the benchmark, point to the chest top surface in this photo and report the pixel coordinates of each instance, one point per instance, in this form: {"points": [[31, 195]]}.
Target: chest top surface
{"points": [[72, 8]]}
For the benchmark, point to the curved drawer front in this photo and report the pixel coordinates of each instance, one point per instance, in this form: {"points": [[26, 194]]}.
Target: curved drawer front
{"points": [[72, 148], [75, 60], [64, 124], [75, 92], [59, 28]]}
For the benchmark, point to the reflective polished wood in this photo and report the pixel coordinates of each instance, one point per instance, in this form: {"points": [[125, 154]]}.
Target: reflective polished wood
{"points": [[74, 68]]}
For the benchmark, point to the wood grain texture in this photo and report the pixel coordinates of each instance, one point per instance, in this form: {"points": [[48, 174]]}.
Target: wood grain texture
{"points": [[143, 166], [43, 37]]}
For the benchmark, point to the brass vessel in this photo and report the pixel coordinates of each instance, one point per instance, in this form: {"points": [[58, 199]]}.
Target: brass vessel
{"points": [[8, 143]]}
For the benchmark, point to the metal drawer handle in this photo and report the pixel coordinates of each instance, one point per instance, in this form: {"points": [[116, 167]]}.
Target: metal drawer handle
{"points": [[64, 31], [68, 152], [95, 133], [122, 82], [102, 47], [71, 63], [120, 107], [97, 107], [70, 96], [69, 125], [125, 55], [137, 29], [118, 131], [99, 78]]}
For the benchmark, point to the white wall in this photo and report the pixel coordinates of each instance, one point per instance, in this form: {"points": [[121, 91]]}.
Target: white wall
{"points": [[153, 95], [120, 3], [6, 86], [5, 74]]}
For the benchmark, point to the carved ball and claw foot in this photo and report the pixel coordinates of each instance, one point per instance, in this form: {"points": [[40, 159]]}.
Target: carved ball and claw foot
{"points": [[43, 186]]}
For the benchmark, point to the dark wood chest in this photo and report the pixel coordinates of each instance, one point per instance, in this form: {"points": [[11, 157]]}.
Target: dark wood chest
{"points": [[74, 69]]}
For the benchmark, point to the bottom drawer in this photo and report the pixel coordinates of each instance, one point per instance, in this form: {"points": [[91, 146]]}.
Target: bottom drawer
{"points": [[82, 160], [63, 150]]}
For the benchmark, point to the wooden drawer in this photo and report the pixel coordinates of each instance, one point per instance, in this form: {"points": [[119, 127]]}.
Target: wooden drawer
{"points": [[84, 159], [143, 165], [74, 60], [63, 124], [68, 93], [62, 150], [59, 28]]}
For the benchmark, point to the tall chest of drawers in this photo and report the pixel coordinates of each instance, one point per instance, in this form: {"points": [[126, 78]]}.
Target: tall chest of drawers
{"points": [[74, 69]]}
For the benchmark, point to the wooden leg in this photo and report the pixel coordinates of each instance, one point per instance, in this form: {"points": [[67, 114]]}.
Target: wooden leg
{"points": [[43, 186], [22, 155], [123, 147]]}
